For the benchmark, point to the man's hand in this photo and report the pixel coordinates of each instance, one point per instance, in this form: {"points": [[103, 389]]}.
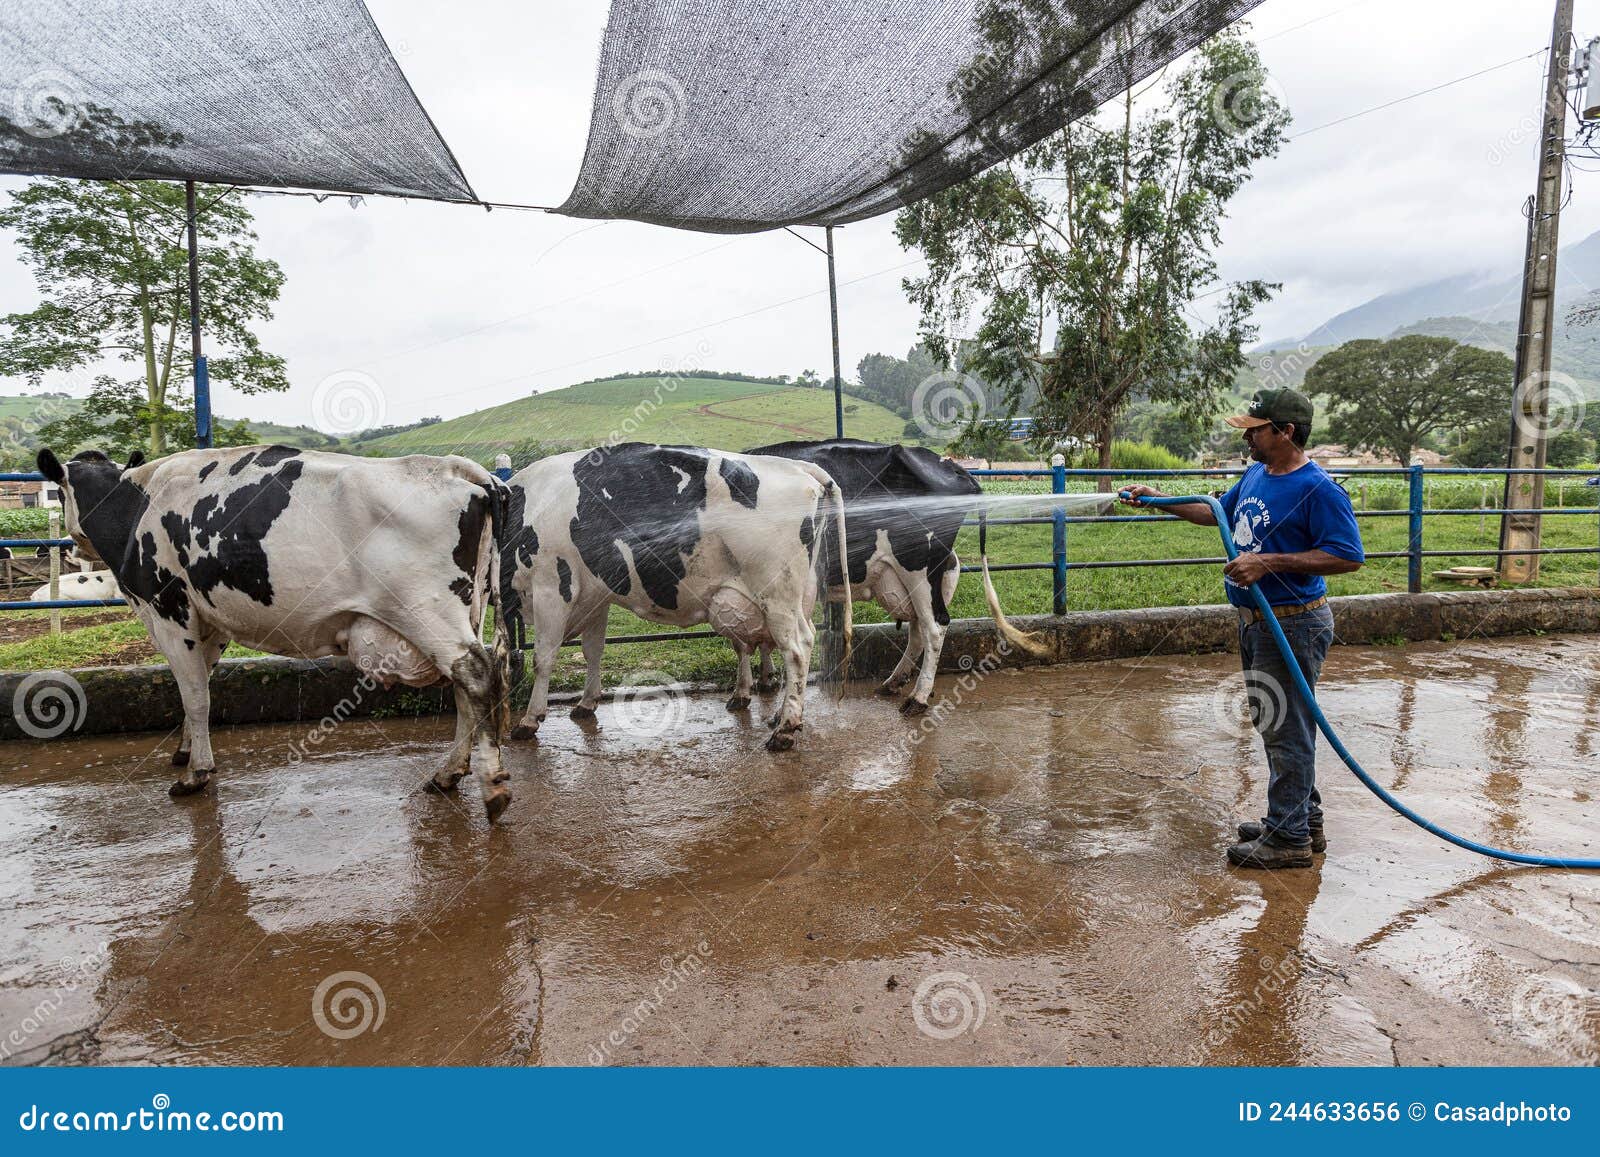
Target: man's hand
{"points": [[1249, 569], [1137, 492]]}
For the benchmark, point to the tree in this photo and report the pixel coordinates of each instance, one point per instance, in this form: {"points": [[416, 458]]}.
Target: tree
{"points": [[892, 382], [117, 417], [1487, 445], [1108, 231], [111, 264], [1391, 395], [1163, 426]]}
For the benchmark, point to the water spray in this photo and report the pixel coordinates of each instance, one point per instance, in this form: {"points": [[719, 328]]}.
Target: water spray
{"points": [[1304, 690]]}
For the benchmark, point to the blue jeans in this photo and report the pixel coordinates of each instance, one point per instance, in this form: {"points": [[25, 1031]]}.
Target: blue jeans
{"points": [[1284, 720]]}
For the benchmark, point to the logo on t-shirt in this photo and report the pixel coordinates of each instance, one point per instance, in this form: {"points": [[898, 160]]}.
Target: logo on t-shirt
{"points": [[1251, 518]]}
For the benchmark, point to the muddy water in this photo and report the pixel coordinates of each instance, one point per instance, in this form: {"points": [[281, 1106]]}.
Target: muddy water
{"points": [[1045, 868]]}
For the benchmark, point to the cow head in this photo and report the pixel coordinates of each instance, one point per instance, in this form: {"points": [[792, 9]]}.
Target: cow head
{"points": [[99, 507]]}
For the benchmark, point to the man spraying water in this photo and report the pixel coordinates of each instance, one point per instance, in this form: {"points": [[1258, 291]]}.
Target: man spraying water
{"points": [[1292, 525]]}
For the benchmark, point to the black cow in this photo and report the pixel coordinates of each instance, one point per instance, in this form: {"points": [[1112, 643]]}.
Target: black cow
{"points": [[902, 546]]}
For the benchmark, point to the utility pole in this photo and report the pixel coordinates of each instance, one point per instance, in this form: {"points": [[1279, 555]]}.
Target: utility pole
{"points": [[1530, 400]]}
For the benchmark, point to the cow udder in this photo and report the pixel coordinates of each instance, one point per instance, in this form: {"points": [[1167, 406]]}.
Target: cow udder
{"points": [[388, 656], [734, 615]]}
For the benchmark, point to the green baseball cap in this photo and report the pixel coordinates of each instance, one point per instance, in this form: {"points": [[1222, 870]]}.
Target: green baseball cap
{"points": [[1278, 407]]}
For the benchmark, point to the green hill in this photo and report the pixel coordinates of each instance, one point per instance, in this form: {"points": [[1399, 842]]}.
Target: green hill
{"points": [[21, 415], [727, 414]]}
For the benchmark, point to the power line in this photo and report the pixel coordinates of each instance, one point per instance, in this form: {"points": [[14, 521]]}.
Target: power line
{"points": [[1423, 92], [680, 333], [1313, 20]]}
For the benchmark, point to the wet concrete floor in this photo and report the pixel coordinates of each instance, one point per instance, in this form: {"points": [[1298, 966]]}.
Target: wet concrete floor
{"points": [[1039, 879]]}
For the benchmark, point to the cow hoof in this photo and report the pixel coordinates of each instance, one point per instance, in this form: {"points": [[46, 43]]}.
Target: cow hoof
{"points": [[739, 703], [780, 741], [180, 759], [913, 707], [445, 788], [189, 784], [523, 732], [886, 690], [768, 686], [497, 802], [581, 713]]}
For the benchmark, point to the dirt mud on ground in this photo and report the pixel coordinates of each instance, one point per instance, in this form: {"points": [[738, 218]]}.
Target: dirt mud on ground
{"points": [[1038, 880]]}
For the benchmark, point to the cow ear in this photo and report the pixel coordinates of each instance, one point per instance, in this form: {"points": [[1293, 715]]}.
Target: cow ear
{"points": [[50, 466], [135, 459]]}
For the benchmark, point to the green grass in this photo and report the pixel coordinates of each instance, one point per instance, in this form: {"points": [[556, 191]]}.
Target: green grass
{"points": [[744, 414]]}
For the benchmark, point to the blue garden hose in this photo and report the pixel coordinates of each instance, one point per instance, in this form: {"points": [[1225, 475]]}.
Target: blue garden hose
{"points": [[1326, 728]]}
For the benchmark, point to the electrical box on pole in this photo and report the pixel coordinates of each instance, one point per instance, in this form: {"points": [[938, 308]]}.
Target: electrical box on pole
{"points": [[1589, 106]]}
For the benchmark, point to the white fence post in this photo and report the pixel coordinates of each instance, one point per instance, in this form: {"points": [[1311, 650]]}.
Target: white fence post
{"points": [[55, 573]]}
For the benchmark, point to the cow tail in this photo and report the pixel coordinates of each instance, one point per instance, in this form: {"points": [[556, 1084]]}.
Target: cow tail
{"points": [[1034, 644], [844, 577], [504, 655]]}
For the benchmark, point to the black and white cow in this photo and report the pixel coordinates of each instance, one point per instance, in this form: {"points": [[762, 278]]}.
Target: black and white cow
{"points": [[389, 561], [86, 586], [677, 535], [902, 547]]}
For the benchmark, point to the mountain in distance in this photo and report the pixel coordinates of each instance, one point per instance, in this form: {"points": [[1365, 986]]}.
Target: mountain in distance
{"points": [[1475, 308], [1479, 296]]}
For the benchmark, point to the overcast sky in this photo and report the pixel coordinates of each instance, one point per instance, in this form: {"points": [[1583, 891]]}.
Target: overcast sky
{"points": [[451, 309]]}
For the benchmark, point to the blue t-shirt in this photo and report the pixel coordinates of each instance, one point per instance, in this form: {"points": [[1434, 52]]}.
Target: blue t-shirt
{"points": [[1285, 514]]}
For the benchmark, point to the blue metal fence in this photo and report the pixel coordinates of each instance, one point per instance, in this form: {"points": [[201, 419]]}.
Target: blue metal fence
{"points": [[1415, 512], [1059, 521]]}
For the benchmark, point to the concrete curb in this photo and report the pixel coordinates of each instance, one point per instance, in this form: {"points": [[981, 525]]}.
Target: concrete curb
{"points": [[287, 690], [1087, 636]]}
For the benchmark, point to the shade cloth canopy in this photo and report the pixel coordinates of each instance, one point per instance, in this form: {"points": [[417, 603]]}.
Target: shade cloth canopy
{"points": [[732, 116], [282, 93]]}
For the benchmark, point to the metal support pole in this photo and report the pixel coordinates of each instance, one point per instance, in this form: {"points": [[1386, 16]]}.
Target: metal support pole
{"points": [[1414, 538], [833, 619], [1530, 400], [202, 380], [1058, 537], [833, 314]]}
